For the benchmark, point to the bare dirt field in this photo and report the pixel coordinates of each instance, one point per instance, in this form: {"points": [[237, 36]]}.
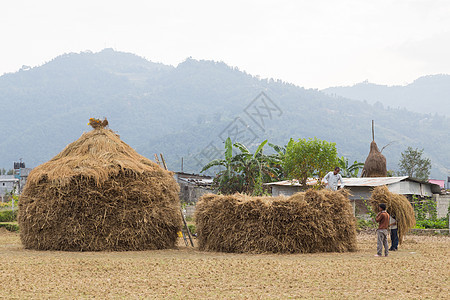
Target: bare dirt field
{"points": [[419, 270]]}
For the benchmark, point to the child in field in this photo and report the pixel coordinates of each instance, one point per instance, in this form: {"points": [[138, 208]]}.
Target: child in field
{"points": [[394, 233], [383, 224]]}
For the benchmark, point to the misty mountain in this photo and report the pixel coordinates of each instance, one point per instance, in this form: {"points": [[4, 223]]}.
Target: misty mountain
{"points": [[427, 94], [187, 112]]}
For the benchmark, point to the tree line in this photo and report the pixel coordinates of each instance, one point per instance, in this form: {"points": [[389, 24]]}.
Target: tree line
{"points": [[245, 172]]}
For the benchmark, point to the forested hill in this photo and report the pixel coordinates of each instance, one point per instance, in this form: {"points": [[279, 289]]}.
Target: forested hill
{"points": [[428, 94], [188, 110]]}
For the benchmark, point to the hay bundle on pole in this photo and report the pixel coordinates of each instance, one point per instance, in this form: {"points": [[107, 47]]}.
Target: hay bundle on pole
{"points": [[99, 194], [396, 205], [312, 221], [375, 164]]}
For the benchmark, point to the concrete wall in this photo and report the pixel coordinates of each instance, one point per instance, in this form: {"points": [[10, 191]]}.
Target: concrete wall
{"points": [[190, 193], [189, 211], [442, 204], [278, 190]]}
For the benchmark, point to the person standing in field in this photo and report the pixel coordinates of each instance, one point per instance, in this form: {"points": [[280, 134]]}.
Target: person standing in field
{"points": [[332, 178], [394, 233], [382, 219]]}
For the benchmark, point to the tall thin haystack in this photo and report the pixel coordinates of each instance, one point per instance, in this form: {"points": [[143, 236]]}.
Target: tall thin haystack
{"points": [[312, 221], [99, 194], [375, 164], [396, 205]]}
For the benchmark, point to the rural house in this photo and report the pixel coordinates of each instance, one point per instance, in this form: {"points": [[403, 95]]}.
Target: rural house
{"points": [[361, 189], [192, 187], [8, 183]]}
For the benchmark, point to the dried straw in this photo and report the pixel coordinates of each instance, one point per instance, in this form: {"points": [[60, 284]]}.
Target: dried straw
{"points": [[312, 221], [99, 194], [396, 205], [375, 164]]}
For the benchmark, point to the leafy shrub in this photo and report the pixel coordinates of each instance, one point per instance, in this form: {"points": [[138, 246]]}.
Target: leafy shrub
{"points": [[425, 209], [432, 224], [8, 215], [192, 229], [10, 227], [365, 224]]}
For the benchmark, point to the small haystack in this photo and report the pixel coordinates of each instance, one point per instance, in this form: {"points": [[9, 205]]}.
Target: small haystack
{"points": [[396, 205], [375, 164], [99, 194], [312, 221]]}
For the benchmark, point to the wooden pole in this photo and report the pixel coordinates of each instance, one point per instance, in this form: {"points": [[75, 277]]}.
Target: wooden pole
{"points": [[187, 228], [373, 132], [163, 161], [181, 211], [157, 160]]}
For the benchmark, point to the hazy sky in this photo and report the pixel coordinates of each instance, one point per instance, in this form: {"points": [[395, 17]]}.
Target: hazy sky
{"points": [[315, 44]]}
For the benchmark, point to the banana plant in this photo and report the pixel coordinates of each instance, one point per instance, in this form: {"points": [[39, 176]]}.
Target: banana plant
{"points": [[347, 170], [245, 171]]}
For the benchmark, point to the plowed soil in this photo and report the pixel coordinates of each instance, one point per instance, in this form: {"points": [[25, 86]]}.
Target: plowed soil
{"points": [[419, 270]]}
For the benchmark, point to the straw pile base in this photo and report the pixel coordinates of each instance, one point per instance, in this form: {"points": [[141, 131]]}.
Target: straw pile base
{"points": [[312, 221], [128, 211]]}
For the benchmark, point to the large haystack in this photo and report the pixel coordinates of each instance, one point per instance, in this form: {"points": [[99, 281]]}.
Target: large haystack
{"points": [[312, 221], [396, 205], [99, 194], [375, 164]]}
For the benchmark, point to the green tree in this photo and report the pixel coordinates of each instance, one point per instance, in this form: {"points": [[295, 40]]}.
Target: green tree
{"points": [[413, 164], [10, 172], [279, 155], [349, 171], [309, 158]]}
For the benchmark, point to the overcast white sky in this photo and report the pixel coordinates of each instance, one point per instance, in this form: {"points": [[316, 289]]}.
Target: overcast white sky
{"points": [[314, 44]]}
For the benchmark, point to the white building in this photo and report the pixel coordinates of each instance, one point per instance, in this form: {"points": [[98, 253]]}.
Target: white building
{"points": [[8, 183]]}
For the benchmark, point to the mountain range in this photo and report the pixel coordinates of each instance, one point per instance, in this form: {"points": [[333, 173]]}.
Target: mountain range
{"points": [[187, 111], [428, 94]]}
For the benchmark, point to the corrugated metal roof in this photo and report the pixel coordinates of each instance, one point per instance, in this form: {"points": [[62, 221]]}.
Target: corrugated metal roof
{"points": [[372, 181], [294, 182], [365, 181]]}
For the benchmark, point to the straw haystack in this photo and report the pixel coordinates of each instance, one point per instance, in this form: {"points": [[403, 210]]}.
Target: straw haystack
{"points": [[375, 164], [312, 221], [396, 205], [99, 194]]}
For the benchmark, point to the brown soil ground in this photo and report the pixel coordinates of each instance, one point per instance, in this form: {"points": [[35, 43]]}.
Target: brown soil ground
{"points": [[419, 270]]}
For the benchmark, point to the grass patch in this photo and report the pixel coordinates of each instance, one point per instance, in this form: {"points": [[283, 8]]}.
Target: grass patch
{"points": [[10, 226], [8, 215], [432, 224]]}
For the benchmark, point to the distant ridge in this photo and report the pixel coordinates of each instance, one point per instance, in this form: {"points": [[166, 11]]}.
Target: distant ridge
{"points": [[187, 110], [427, 94]]}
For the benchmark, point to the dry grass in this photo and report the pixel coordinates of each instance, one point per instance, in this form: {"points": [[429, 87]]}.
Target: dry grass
{"points": [[375, 164], [306, 222], [419, 270], [99, 194]]}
